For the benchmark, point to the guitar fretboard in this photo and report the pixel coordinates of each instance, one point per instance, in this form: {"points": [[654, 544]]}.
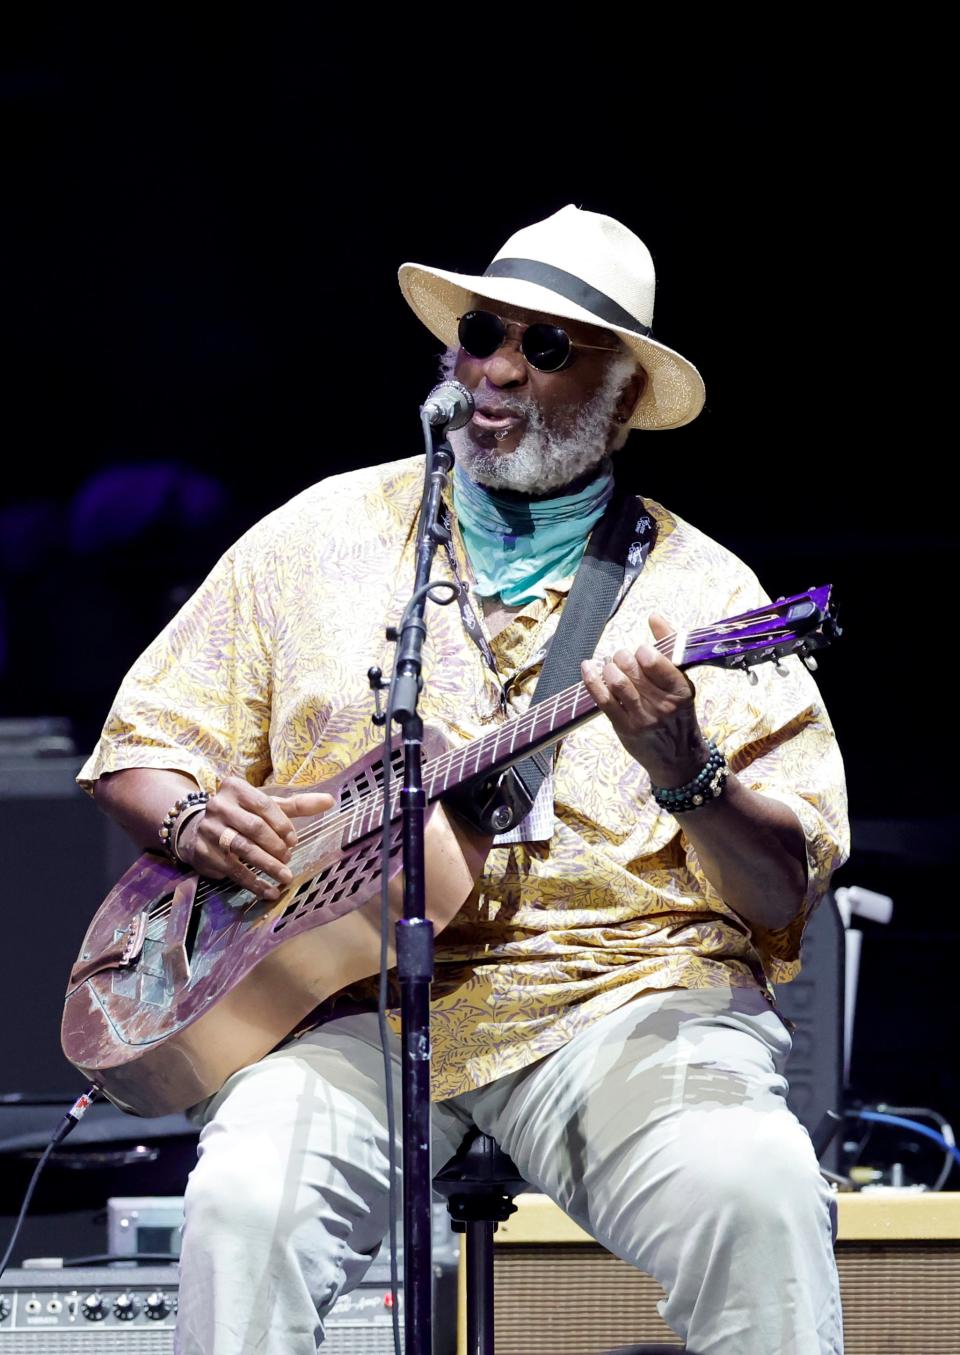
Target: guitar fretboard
{"points": [[796, 624], [541, 725]]}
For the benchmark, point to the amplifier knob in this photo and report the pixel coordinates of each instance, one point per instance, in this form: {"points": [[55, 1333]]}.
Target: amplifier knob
{"points": [[125, 1307], [92, 1308], [158, 1306]]}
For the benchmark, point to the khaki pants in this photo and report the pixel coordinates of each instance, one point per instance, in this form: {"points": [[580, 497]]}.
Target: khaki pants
{"points": [[661, 1129]]}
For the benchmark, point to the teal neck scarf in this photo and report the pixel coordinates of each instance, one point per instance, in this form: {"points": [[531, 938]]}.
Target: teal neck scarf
{"points": [[520, 547]]}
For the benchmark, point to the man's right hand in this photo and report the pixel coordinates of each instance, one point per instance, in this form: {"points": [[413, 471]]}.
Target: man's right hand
{"points": [[244, 830]]}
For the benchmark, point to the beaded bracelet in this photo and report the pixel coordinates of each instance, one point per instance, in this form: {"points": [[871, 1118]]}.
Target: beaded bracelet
{"points": [[185, 816], [192, 803], [707, 785]]}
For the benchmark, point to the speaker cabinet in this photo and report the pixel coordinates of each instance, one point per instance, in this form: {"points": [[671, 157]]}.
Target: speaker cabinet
{"points": [[559, 1293], [67, 856]]}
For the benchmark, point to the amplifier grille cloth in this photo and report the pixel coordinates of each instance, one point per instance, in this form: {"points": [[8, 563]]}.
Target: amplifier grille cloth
{"points": [[341, 1340], [572, 1299], [86, 1342]]}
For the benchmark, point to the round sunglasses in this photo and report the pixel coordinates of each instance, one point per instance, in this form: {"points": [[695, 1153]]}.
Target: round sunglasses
{"points": [[546, 347]]}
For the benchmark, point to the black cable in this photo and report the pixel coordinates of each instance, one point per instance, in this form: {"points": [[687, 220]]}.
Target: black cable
{"points": [[26, 1203], [861, 1146], [66, 1125], [946, 1129], [944, 1140]]}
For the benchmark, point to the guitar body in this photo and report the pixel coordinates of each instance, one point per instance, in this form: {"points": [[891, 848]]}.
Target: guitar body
{"points": [[171, 993]]}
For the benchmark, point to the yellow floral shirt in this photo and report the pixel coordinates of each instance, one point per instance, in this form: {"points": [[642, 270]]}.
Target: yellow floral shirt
{"points": [[263, 674]]}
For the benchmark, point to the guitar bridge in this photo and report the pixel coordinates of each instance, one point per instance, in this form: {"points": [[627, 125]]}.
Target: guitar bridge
{"points": [[133, 945]]}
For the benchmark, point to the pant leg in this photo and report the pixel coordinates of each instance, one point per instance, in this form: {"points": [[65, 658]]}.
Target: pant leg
{"points": [[288, 1202], [664, 1132]]}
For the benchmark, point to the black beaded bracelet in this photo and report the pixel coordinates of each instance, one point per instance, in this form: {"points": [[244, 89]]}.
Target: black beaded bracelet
{"points": [[706, 786], [168, 837]]}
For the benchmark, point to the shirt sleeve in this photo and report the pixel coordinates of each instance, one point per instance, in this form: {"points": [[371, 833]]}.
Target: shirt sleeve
{"points": [[198, 699]]}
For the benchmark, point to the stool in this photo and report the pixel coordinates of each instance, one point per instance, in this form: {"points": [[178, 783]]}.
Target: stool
{"points": [[479, 1184]]}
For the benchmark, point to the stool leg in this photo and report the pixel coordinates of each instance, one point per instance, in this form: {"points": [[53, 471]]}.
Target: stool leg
{"points": [[480, 1288]]}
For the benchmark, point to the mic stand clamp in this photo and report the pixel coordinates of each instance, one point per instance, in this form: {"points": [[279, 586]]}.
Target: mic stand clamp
{"points": [[376, 684]]}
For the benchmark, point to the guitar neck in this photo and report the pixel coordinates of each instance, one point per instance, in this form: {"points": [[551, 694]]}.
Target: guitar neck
{"points": [[540, 726], [795, 625]]}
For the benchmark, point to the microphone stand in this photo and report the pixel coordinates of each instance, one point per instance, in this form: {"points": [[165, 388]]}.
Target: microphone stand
{"points": [[414, 930]]}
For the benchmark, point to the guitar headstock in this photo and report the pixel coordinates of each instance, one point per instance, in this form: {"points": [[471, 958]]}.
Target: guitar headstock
{"points": [[794, 625]]}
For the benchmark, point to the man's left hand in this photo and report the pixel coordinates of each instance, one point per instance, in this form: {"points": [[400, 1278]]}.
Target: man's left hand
{"points": [[649, 702]]}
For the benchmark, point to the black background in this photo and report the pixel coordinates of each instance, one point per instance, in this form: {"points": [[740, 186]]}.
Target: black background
{"points": [[202, 226]]}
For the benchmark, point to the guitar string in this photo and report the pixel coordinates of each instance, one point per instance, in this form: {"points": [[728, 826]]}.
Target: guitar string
{"points": [[564, 702], [369, 806]]}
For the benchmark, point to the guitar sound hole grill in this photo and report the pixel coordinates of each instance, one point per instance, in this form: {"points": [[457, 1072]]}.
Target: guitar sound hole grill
{"points": [[369, 781], [346, 876]]}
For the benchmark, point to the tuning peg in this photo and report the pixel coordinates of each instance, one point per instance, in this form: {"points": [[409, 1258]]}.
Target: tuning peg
{"points": [[779, 669], [811, 662], [752, 677]]}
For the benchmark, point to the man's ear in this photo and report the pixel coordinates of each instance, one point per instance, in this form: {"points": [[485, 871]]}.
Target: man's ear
{"points": [[631, 393]]}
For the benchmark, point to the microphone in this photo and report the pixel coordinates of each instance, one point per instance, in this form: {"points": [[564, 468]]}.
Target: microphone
{"points": [[449, 405]]}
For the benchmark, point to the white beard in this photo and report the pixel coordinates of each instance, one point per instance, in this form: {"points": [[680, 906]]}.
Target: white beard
{"points": [[545, 459]]}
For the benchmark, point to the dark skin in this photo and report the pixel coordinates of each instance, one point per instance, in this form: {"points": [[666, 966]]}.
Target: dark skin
{"points": [[139, 797], [559, 394], [750, 847]]}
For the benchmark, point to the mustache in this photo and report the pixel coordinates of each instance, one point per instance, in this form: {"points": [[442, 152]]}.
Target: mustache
{"points": [[490, 398]]}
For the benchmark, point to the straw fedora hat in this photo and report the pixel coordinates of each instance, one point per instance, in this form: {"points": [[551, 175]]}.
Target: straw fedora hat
{"points": [[574, 265]]}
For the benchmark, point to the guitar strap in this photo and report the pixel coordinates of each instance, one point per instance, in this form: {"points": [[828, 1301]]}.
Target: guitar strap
{"points": [[615, 555]]}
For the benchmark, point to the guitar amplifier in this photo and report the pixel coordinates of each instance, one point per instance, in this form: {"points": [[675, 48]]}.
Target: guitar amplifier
{"points": [[557, 1292], [130, 1309], [360, 1323], [144, 1223]]}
